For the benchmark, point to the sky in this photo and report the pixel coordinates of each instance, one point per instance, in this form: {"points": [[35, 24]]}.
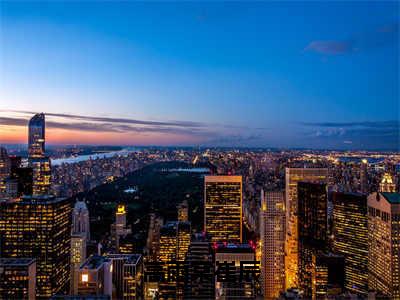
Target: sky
{"points": [[251, 74]]}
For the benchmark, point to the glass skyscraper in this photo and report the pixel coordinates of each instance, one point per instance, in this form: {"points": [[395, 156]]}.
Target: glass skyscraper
{"points": [[350, 238]]}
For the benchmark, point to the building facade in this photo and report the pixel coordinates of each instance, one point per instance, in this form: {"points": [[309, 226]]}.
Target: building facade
{"points": [[350, 238], [18, 278], [272, 238], [223, 208], [384, 243], [40, 228], [292, 177]]}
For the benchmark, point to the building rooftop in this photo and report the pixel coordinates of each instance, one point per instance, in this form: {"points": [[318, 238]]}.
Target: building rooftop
{"points": [[233, 248], [94, 262], [128, 258], [393, 198], [16, 261]]}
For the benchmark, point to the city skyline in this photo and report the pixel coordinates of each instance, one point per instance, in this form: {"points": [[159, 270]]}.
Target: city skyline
{"points": [[209, 74]]}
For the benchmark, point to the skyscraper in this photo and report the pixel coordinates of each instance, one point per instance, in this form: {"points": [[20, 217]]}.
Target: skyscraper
{"points": [[199, 281], [41, 172], [272, 236], [312, 228], [174, 244], [78, 256], [80, 219], [37, 160], [36, 136], [40, 228], [292, 177], [350, 238], [384, 243], [230, 261], [223, 208], [127, 276], [5, 169], [387, 185], [17, 278], [327, 275]]}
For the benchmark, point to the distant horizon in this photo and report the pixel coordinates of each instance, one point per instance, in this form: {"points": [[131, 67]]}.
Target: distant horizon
{"points": [[206, 147]]}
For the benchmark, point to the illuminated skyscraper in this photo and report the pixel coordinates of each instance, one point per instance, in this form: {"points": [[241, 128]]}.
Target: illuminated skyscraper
{"points": [[387, 185], [127, 276], [272, 235], [174, 244], [5, 169], [350, 238], [37, 160], [80, 219], [223, 208], [292, 177], [384, 243], [17, 278], [183, 211], [41, 175], [312, 228], [36, 136], [78, 256], [230, 261], [199, 281], [40, 228]]}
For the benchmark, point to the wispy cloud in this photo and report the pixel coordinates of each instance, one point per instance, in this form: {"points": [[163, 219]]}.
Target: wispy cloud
{"points": [[380, 37], [120, 120], [368, 134]]}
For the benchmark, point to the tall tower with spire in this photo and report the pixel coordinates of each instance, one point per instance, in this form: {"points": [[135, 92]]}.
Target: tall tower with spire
{"points": [[387, 185], [80, 219]]}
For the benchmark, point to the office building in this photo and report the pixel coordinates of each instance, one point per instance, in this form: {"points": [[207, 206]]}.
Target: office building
{"points": [[223, 208], [312, 228], [95, 277], [272, 237], [127, 276], [384, 243], [350, 238], [78, 256], [327, 279], [230, 261], [199, 281], [40, 228], [41, 175], [364, 176], [174, 244], [36, 136], [17, 278], [292, 177]]}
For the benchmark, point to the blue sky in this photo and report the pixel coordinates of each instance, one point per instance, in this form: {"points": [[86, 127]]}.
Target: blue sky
{"points": [[291, 74]]}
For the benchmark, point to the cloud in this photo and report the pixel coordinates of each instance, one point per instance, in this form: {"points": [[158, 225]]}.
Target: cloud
{"points": [[362, 135], [329, 47], [380, 37], [371, 124], [121, 120], [91, 126]]}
